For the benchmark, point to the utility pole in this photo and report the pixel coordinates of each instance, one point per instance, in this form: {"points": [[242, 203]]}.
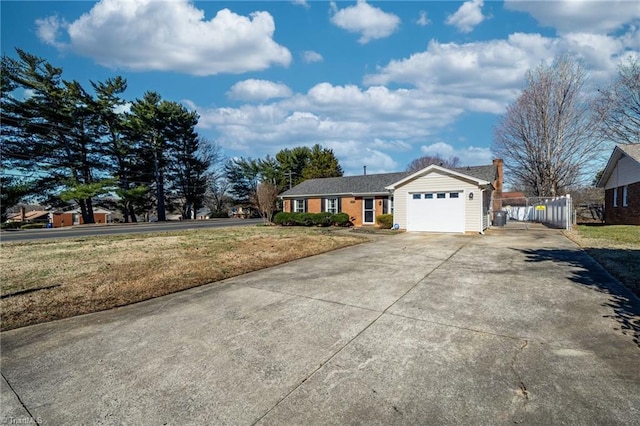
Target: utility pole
{"points": [[289, 173]]}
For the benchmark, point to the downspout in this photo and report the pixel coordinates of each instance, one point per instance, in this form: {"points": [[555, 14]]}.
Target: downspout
{"points": [[482, 214]]}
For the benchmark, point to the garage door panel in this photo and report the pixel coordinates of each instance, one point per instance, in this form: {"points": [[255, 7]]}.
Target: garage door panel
{"points": [[436, 212]]}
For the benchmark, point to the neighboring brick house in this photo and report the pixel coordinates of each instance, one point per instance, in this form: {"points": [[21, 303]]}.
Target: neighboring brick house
{"points": [[452, 200], [74, 217], [621, 182]]}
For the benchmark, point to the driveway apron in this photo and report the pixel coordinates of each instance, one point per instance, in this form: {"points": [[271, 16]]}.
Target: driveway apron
{"points": [[508, 327]]}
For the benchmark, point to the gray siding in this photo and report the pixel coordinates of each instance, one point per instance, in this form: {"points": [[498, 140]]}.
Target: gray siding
{"points": [[626, 172]]}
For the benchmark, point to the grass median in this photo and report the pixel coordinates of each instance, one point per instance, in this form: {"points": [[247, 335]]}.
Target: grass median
{"points": [[47, 280], [615, 247]]}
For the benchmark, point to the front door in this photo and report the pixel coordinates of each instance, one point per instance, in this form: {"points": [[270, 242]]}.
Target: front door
{"points": [[369, 211]]}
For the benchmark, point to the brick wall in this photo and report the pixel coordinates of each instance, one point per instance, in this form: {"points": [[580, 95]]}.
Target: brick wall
{"points": [[620, 215]]}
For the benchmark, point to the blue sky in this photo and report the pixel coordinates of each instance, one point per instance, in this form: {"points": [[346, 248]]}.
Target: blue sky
{"points": [[380, 83]]}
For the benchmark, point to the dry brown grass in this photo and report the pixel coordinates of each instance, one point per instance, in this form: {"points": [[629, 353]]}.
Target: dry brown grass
{"points": [[47, 280]]}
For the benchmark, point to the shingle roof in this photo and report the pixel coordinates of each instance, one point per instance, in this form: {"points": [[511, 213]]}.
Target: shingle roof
{"points": [[361, 184], [372, 184]]}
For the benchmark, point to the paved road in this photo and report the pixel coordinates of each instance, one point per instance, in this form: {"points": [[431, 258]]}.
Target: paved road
{"points": [[508, 328], [91, 230]]}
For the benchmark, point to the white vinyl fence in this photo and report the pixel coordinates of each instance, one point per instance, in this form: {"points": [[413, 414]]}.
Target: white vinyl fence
{"points": [[556, 212]]}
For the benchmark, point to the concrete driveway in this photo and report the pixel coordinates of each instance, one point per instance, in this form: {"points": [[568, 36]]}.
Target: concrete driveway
{"points": [[509, 327]]}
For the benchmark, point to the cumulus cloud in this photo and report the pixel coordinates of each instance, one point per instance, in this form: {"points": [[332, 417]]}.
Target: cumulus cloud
{"points": [[595, 16], [467, 17], [469, 156], [371, 22], [309, 56], [144, 35], [48, 30], [258, 90], [302, 3], [423, 21]]}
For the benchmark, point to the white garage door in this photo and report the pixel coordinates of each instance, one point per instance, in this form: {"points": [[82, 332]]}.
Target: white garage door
{"points": [[435, 211]]}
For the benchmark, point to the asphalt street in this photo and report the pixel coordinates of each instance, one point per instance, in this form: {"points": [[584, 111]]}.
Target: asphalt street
{"points": [[93, 230]]}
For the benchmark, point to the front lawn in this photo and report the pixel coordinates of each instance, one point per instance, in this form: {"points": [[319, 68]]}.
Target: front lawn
{"points": [[52, 279], [616, 247]]}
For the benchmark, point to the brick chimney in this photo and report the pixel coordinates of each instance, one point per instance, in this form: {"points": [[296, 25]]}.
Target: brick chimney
{"points": [[497, 184]]}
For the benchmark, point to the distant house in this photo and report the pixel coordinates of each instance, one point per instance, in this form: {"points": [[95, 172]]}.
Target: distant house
{"points": [[34, 216], [74, 217], [621, 183], [434, 199]]}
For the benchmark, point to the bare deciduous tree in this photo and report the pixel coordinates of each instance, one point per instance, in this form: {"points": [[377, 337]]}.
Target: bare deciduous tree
{"points": [[427, 160], [547, 136], [618, 106], [266, 196]]}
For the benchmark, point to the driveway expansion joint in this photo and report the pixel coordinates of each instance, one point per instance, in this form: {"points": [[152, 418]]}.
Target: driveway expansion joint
{"points": [[335, 354], [33, 419]]}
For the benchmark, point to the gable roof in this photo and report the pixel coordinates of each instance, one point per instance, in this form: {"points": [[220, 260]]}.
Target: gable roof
{"points": [[377, 184], [482, 175], [630, 150]]}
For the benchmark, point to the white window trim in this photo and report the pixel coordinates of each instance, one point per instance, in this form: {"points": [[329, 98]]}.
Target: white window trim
{"points": [[615, 197], [295, 206], [329, 209], [625, 196]]}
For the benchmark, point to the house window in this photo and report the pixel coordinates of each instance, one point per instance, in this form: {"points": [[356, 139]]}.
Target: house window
{"points": [[625, 195], [442, 194], [331, 205], [298, 206], [428, 196], [615, 197], [416, 196]]}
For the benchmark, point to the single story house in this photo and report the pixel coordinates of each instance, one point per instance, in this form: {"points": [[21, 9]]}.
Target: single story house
{"points": [[434, 199], [33, 216], [621, 182], [59, 219]]}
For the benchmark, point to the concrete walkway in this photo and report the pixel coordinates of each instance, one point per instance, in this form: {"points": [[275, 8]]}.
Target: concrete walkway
{"points": [[509, 327]]}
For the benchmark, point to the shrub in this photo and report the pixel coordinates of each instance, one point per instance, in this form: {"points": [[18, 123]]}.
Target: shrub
{"points": [[218, 215], [283, 218], [385, 221], [12, 225], [33, 226], [341, 219], [322, 219]]}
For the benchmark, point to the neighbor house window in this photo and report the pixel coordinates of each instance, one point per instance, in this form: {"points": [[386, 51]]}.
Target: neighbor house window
{"points": [[615, 197], [332, 205], [298, 206], [625, 200]]}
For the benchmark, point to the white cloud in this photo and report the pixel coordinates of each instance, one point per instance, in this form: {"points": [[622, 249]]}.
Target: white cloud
{"points": [[143, 35], [48, 29], [302, 3], [371, 22], [423, 21], [258, 90], [469, 156], [580, 15], [467, 17], [310, 56]]}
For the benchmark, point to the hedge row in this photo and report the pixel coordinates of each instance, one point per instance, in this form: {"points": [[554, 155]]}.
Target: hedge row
{"points": [[311, 219]]}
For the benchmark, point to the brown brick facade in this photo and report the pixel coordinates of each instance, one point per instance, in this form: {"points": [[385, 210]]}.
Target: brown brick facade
{"points": [[623, 215], [349, 205]]}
